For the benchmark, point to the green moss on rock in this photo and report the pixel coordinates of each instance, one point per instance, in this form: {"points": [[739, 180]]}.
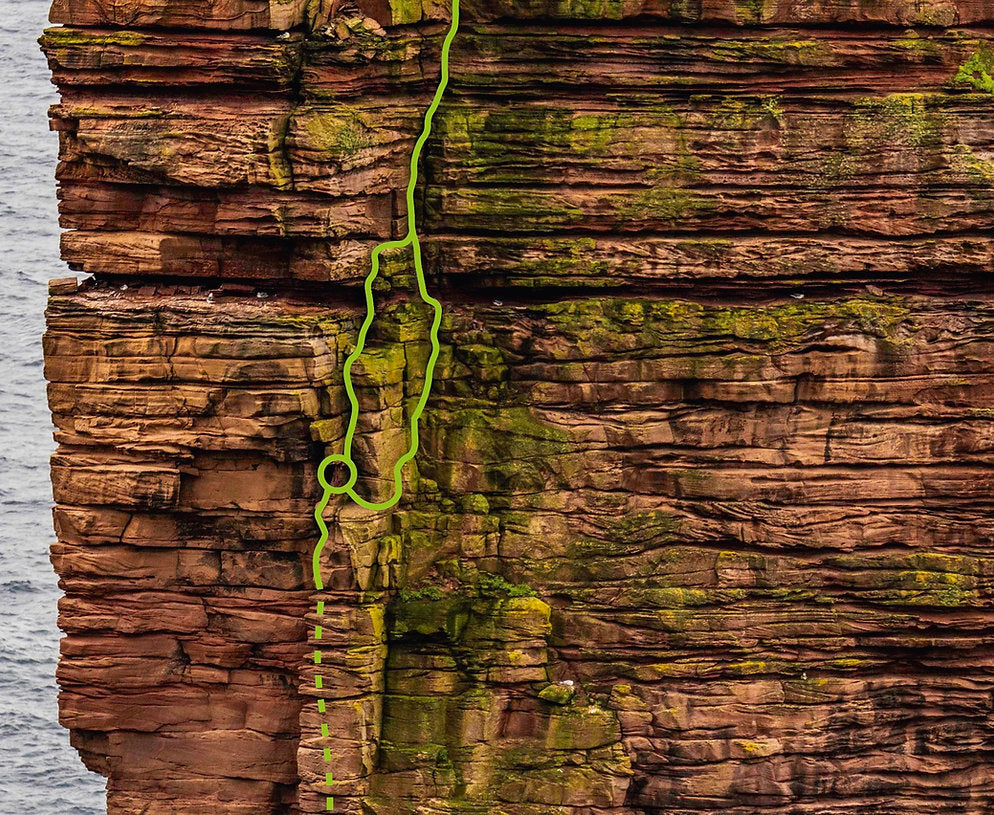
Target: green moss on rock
{"points": [[557, 694], [978, 71]]}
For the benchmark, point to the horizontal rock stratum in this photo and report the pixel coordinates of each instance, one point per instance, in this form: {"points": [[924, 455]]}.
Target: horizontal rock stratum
{"points": [[701, 520]]}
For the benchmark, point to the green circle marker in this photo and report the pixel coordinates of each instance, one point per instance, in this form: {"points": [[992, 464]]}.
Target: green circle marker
{"points": [[323, 475]]}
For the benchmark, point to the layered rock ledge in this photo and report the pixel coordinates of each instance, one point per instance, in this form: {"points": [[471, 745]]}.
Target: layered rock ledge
{"points": [[701, 521]]}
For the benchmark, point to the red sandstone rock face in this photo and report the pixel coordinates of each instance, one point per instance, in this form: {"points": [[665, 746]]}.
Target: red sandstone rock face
{"points": [[700, 522]]}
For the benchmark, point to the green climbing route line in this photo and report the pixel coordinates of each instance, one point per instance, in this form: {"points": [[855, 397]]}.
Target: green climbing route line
{"points": [[348, 488], [411, 239]]}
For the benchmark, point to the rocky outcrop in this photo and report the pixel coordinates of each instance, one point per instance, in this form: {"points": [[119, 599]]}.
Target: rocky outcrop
{"points": [[701, 517]]}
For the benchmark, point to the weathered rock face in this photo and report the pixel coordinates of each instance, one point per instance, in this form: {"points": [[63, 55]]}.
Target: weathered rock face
{"points": [[701, 517]]}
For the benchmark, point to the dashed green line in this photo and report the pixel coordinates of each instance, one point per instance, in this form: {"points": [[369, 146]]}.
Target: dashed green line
{"points": [[410, 239]]}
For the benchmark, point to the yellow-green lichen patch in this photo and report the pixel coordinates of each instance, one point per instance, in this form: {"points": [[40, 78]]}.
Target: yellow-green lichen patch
{"points": [[745, 113], [749, 11], [405, 12], [538, 208], [919, 48], [625, 324], [977, 170], [757, 749], [921, 579], [713, 668], [885, 128], [508, 450], [557, 260], [926, 588], [64, 37], [911, 119], [779, 50], [642, 529], [514, 146], [666, 199], [340, 131]]}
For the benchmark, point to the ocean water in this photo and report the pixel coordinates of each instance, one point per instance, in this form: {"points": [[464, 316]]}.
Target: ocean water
{"points": [[40, 774]]}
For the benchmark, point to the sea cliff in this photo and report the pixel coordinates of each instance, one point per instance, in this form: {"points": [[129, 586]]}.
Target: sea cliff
{"points": [[701, 518]]}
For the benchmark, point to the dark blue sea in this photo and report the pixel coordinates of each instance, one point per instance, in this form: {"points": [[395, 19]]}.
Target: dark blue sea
{"points": [[40, 774]]}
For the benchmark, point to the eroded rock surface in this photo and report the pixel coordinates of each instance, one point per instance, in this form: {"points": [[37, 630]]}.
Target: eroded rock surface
{"points": [[701, 518]]}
